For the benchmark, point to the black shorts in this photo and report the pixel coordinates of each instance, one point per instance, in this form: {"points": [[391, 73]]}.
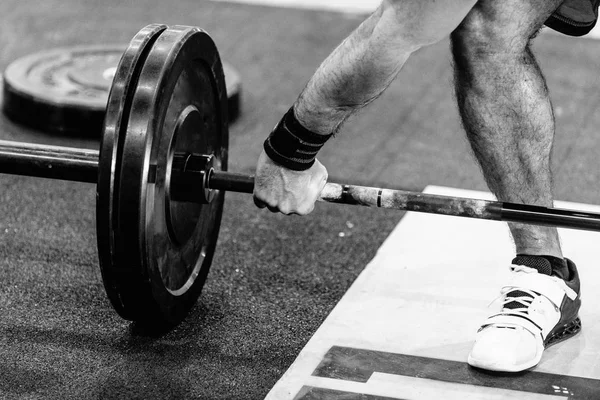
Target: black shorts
{"points": [[575, 17]]}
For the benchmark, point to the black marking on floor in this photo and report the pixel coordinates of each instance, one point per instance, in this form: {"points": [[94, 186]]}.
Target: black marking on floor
{"points": [[357, 365], [315, 393]]}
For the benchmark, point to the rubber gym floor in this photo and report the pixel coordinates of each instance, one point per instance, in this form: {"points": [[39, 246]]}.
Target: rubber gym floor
{"points": [[273, 279]]}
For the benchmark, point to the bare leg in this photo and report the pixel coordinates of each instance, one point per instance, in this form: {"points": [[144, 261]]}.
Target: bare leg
{"points": [[505, 108], [506, 111]]}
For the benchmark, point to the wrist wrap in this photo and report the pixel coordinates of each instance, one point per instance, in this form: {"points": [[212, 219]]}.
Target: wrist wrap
{"points": [[293, 146]]}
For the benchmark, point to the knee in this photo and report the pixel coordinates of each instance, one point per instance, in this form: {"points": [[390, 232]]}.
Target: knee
{"points": [[424, 22], [483, 34], [406, 19]]}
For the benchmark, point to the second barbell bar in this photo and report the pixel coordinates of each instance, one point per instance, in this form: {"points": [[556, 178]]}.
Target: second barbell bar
{"points": [[81, 165]]}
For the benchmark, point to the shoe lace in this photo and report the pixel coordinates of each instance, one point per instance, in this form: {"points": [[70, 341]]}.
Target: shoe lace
{"points": [[517, 300]]}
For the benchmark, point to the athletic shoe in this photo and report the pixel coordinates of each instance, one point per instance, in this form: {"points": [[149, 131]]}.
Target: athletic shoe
{"points": [[538, 310]]}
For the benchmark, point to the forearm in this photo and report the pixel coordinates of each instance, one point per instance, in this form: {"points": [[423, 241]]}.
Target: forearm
{"points": [[355, 73], [365, 64]]}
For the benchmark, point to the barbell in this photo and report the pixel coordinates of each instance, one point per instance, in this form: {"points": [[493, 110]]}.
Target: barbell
{"points": [[161, 174]]}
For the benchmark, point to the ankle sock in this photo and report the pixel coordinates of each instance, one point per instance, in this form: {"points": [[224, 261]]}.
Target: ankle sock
{"points": [[548, 265]]}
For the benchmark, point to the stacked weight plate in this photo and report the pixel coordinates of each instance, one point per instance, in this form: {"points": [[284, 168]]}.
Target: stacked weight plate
{"points": [[65, 90]]}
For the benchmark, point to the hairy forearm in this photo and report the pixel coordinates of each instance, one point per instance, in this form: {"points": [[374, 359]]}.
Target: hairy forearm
{"points": [[365, 64], [355, 73]]}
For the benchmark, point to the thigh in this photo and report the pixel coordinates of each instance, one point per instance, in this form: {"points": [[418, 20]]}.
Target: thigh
{"points": [[426, 21]]}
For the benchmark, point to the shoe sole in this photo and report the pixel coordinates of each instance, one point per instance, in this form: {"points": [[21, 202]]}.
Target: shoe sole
{"points": [[564, 332]]}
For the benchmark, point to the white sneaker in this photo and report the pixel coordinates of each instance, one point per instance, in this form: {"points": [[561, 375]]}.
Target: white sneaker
{"points": [[538, 310]]}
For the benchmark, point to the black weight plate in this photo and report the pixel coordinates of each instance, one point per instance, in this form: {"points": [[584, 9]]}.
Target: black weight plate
{"points": [[117, 277], [62, 90], [180, 106], [65, 90]]}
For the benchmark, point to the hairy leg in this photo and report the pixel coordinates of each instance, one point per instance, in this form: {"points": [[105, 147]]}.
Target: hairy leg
{"points": [[506, 111], [366, 62]]}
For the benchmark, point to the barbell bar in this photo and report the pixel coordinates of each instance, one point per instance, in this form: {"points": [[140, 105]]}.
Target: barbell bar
{"points": [[161, 174], [81, 165]]}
